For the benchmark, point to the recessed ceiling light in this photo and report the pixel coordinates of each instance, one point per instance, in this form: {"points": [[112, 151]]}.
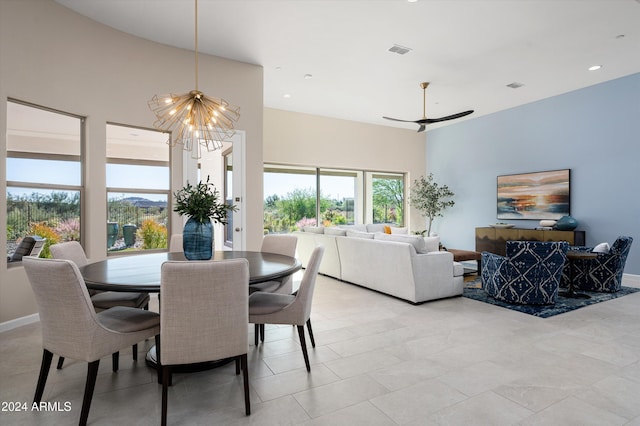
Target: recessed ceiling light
{"points": [[595, 67], [308, 76], [286, 96], [515, 85], [278, 68], [412, 1]]}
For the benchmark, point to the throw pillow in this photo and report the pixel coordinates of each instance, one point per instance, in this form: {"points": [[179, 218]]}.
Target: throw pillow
{"points": [[601, 248], [432, 243], [387, 229], [375, 227], [358, 234], [335, 231]]}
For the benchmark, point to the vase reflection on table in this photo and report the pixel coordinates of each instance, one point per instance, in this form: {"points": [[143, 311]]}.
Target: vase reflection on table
{"points": [[197, 240]]}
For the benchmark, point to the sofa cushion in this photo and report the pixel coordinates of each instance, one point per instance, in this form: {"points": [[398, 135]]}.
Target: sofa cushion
{"points": [[360, 228], [387, 229], [335, 231], [415, 240], [314, 229], [401, 231], [358, 234]]}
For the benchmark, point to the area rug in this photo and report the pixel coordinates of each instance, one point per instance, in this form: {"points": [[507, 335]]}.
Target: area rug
{"points": [[473, 290]]}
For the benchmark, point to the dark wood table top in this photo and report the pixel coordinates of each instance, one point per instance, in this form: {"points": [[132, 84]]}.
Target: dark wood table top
{"points": [[142, 272], [575, 255]]}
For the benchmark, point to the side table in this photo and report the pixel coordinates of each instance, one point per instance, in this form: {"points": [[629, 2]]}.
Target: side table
{"points": [[461, 255], [572, 256]]}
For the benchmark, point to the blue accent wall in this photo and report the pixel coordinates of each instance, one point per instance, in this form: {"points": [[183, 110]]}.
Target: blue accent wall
{"points": [[594, 131]]}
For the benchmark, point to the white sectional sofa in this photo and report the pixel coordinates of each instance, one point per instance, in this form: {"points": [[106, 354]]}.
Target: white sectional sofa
{"points": [[405, 266]]}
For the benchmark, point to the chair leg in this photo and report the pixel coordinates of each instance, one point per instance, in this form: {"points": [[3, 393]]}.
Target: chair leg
{"points": [[115, 361], [237, 366], [158, 363], [245, 369], [44, 372], [165, 392], [313, 342], [262, 333], [92, 373], [303, 343], [135, 352], [256, 333], [60, 362]]}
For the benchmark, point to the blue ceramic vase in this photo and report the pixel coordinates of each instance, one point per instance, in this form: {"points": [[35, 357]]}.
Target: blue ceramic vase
{"points": [[197, 240], [566, 223]]}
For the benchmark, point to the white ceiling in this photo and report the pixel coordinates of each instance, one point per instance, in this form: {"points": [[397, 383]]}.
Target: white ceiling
{"points": [[468, 49]]}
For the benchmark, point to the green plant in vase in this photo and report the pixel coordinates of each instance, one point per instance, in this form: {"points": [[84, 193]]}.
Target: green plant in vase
{"points": [[202, 204], [430, 198]]}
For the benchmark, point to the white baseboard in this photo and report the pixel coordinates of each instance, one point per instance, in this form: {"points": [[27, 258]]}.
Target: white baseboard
{"points": [[630, 280], [18, 322]]}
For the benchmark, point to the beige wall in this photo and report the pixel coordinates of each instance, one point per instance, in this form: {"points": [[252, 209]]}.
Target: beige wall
{"points": [[54, 57], [308, 140]]}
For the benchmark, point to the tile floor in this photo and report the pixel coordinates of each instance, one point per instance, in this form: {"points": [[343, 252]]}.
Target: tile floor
{"points": [[378, 361]]}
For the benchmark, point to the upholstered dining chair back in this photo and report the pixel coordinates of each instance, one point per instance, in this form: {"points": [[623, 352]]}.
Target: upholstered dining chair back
{"points": [[204, 310], [66, 313], [175, 244], [71, 250], [301, 307], [284, 244]]}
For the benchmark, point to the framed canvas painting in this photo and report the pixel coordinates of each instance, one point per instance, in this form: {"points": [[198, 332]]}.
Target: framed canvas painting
{"points": [[538, 195]]}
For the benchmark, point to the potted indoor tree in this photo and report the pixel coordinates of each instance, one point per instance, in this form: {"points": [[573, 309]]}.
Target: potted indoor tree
{"points": [[202, 204], [429, 198]]}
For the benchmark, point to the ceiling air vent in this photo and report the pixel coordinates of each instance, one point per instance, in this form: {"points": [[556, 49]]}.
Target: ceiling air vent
{"points": [[515, 85], [400, 50]]}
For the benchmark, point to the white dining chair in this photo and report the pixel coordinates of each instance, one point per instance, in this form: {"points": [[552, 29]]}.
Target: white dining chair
{"points": [[274, 308], [71, 327], [204, 317]]}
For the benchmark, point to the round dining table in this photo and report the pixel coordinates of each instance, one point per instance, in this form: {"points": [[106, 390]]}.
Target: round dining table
{"points": [[141, 273]]}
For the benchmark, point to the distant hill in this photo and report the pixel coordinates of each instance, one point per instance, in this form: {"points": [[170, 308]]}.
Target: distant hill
{"points": [[144, 203]]}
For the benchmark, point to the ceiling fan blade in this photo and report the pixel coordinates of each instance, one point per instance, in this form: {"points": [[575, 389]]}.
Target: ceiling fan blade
{"points": [[397, 119], [448, 117]]}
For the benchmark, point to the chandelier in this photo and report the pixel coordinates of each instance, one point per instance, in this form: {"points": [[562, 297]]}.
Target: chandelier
{"points": [[195, 120]]}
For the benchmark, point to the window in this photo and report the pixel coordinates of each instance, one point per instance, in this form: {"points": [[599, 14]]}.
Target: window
{"points": [[338, 189], [44, 175], [300, 196], [290, 198], [138, 189], [387, 197]]}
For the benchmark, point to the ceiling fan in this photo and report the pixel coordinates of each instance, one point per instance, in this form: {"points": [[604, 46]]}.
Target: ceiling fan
{"points": [[424, 120]]}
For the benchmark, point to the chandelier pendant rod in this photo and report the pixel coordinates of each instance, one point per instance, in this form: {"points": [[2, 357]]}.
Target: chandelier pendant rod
{"points": [[196, 38]]}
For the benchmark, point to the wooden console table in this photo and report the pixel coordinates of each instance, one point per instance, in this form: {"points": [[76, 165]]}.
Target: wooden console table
{"points": [[494, 240]]}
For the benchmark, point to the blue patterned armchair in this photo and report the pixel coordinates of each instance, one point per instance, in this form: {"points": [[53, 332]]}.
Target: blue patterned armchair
{"points": [[529, 274], [604, 273]]}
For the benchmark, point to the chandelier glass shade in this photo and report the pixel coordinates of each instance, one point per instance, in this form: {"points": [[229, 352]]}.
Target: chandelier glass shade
{"points": [[194, 119]]}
